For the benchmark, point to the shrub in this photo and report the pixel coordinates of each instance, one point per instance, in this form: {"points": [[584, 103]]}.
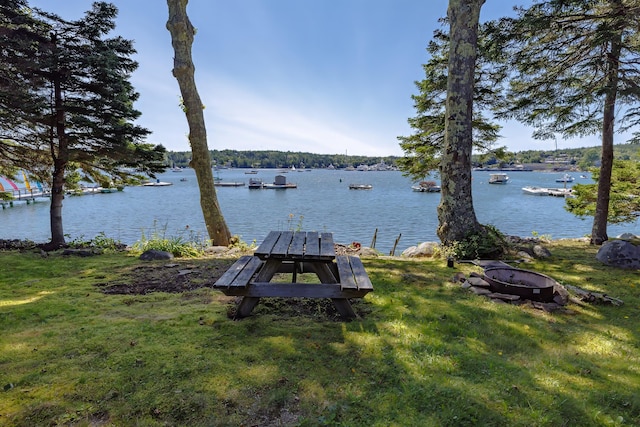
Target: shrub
{"points": [[179, 246], [488, 243]]}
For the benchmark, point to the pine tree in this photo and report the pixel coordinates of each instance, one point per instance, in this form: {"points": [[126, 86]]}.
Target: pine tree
{"points": [[423, 149], [576, 67], [77, 112]]}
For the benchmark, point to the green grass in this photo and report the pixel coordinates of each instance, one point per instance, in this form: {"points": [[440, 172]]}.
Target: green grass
{"points": [[425, 352]]}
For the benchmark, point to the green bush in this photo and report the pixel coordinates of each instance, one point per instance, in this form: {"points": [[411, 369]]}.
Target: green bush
{"points": [[488, 243], [101, 241], [179, 246]]}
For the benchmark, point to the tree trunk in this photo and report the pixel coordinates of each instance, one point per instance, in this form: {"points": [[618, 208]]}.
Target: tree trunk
{"points": [[182, 34], [60, 161], [456, 216], [600, 218]]}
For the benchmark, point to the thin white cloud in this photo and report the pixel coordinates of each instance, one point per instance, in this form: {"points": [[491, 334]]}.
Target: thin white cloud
{"points": [[239, 118]]}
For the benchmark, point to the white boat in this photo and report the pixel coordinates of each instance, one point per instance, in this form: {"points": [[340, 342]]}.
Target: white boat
{"points": [[360, 186], [426, 187], [498, 178], [542, 191], [108, 189], [535, 191], [565, 178], [560, 192], [157, 184]]}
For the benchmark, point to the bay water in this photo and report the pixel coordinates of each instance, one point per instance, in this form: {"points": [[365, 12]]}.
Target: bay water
{"points": [[321, 202]]}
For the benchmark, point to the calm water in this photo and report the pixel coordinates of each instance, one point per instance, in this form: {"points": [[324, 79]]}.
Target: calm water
{"points": [[322, 202]]}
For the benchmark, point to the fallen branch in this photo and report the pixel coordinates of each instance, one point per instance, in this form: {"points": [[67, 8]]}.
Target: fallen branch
{"points": [[593, 297]]}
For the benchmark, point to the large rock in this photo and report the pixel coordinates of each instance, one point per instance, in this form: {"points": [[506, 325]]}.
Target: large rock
{"points": [[622, 252], [425, 249], [153, 254]]}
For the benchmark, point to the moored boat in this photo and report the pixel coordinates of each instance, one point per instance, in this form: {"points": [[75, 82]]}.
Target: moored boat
{"points": [[498, 178], [360, 186], [157, 183], [108, 189], [565, 178], [426, 187], [543, 191], [255, 183], [535, 191], [560, 192]]}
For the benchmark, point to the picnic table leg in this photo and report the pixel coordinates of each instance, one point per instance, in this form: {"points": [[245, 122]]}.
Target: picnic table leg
{"points": [[326, 275], [344, 307], [246, 306], [323, 271]]}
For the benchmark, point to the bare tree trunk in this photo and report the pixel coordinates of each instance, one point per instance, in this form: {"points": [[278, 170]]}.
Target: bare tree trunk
{"points": [[182, 34], [600, 218], [60, 161], [456, 216]]}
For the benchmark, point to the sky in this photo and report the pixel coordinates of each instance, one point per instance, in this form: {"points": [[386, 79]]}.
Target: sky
{"points": [[319, 76]]}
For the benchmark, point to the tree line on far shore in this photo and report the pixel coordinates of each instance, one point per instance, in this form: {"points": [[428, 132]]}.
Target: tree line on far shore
{"points": [[582, 158]]}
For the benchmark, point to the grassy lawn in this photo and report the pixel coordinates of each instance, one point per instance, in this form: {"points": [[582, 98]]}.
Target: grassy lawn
{"points": [[425, 352]]}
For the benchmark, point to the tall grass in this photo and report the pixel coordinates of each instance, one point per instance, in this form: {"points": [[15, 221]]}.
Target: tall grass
{"points": [[186, 244]]}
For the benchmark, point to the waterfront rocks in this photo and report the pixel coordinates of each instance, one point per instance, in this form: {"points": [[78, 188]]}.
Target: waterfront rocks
{"points": [[153, 255], [216, 250], [355, 248], [528, 248], [425, 249], [621, 252], [81, 252], [15, 244], [540, 251]]}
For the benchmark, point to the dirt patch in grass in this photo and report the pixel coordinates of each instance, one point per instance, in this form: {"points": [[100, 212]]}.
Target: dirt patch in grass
{"points": [[178, 276], [172, 277]]}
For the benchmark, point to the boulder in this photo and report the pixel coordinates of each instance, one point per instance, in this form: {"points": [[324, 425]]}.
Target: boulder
{"points": [[425, 249], [541, 252], [366, 252], [153, 254], [620, 253]]}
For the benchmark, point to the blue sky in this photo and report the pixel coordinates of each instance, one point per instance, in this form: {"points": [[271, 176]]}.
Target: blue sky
{"points": [[320, 76]]}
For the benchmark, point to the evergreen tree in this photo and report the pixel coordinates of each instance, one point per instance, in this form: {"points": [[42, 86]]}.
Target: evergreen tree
{"points": [[576, 66], [77, 112], [458, 226], [423, 149], [624, 200]]}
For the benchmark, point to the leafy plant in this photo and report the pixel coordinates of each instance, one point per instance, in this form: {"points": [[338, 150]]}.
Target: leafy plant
{"points": [[489, 243], [237, 242], [179, 246], [101, 241]]}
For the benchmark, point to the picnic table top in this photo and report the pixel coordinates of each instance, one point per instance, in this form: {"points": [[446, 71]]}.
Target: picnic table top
{"points": [[297, 246]]}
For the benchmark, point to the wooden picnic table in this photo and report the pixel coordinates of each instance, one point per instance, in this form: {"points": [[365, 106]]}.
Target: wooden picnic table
{"points": [[340, 277]]}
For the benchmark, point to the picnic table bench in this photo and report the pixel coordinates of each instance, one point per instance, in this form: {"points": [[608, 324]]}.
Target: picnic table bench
{"points": [[341, 277]]}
